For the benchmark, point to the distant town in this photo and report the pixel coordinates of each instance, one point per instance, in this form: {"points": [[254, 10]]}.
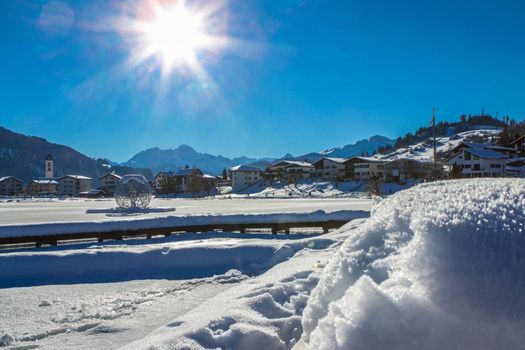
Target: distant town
{"points": [[468, 160]]}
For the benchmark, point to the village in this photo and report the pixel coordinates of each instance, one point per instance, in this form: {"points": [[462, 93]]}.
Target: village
{"points": [[468, 160]]}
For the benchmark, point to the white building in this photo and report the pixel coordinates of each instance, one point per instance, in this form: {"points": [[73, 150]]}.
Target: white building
{"points": [[367, 167], [244, 176], [329, 168], [72, 185], [10, 186], [292, 168], [477, 162], [109, 182]]}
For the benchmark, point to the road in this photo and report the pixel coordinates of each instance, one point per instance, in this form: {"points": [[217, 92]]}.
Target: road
{"points": [[45, 211]]}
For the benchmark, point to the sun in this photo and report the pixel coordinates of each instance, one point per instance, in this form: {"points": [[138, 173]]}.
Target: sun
{"points": [[175, 34]]}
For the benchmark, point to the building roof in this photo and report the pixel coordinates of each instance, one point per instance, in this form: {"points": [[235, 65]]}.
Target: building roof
{"points": [[293, 163], [180, 172], [76, 177], [111, 174], [10, 177], [49, 157], [335, 160], [367, 159], [45, 182], [246, 167], [486, 146], [208, 176], [485, 153]]}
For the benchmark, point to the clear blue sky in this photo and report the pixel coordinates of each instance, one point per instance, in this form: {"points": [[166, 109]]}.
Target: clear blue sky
{"points": [[309, 75]]}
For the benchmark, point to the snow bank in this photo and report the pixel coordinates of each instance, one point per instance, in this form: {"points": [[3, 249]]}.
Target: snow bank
{"points": [[175, 221], [439, 266]]}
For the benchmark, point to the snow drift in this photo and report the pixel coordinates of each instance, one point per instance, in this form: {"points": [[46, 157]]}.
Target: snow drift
{"points": [[439, 266]]}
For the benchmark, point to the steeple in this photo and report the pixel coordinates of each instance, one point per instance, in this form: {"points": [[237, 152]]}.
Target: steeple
{"points": [[49, 167]]}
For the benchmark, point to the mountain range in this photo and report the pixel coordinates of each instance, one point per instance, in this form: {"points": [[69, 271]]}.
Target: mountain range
{"points": [[23, 156]]}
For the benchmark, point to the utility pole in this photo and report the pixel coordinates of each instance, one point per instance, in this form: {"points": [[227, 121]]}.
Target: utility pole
{"points": [[434, 134]]}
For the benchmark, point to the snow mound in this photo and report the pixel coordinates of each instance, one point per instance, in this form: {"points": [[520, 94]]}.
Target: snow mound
{"points": [[439, 266]]}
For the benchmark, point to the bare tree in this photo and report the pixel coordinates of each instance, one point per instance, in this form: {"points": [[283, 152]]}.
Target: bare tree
{"points": [[133, 192]]}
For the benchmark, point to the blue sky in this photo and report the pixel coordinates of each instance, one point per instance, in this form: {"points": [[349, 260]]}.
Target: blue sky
{"points": [[309, 75]]}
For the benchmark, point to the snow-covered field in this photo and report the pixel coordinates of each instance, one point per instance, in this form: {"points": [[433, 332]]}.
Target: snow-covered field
{"points": [[81, 210], [438, 266]]}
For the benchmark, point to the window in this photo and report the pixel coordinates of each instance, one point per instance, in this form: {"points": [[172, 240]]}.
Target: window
{"points": [[476, 167], [467, 156]]}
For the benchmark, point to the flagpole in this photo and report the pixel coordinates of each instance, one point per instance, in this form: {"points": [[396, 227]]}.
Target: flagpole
{"points": [[434, 133]]}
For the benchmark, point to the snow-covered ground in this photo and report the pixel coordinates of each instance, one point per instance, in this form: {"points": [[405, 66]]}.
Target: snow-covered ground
{"points": [[81, 210], [438, 266], [425, 150]]}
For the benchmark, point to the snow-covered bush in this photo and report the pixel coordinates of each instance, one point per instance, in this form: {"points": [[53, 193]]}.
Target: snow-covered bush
{"points": [[439, 266]]}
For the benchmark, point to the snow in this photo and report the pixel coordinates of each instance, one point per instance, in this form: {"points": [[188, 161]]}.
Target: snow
{"points": [[213, 290], [424, 150], [438, 266], [174, 221], [135, 178]]}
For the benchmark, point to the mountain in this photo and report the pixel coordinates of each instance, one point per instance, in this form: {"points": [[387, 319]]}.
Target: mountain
{"points": [[361, 147], [23, 156], [171, 159]]}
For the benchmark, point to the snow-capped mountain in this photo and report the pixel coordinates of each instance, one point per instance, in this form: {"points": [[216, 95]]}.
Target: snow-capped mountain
{"points": [[361, 147], [171, 159]]}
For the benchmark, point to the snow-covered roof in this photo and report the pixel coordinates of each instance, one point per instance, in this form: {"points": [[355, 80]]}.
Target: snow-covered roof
{"points": [[485, 153], [367, 159], [111, 174], [486, 146], [246, 167], [179, 172], [45, 182], [293, 163], [9, 177], [336, 160], [208, 176], [76, 177]]}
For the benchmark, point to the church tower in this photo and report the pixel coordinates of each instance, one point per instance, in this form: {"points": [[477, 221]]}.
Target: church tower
{"points": [[49, 167]]}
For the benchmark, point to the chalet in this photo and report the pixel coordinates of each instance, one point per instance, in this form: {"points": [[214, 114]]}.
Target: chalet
{"points": [[244, 176], [291, 168], [363, 168], [329, 168], [407, 168], [10, 186], [515, 167], [72, 185], [508, 151], [42, 187], [519, 146], [478, 162], [109, 182], [186, 180]]}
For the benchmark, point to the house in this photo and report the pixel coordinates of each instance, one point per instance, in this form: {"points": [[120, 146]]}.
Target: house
{"points": [[329, 168], [407, 168], [186, 180], [72, 185], [363, 168], [244, 176], [519, 146], [10, 186], [508, 151], [515, 167], [478, 162], [109, 182], [291, 169], [42, 187]]}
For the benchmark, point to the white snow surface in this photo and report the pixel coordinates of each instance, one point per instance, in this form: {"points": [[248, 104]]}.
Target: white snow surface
{"points": [[424, 151], [438, 266]]}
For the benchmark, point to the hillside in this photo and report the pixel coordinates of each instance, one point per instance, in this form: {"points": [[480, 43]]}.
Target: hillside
{"points": [[444, 145], [23, 156]]}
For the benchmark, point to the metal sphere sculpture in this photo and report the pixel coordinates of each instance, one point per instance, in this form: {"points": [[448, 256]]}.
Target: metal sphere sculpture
{"points": [[133, 192]]}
